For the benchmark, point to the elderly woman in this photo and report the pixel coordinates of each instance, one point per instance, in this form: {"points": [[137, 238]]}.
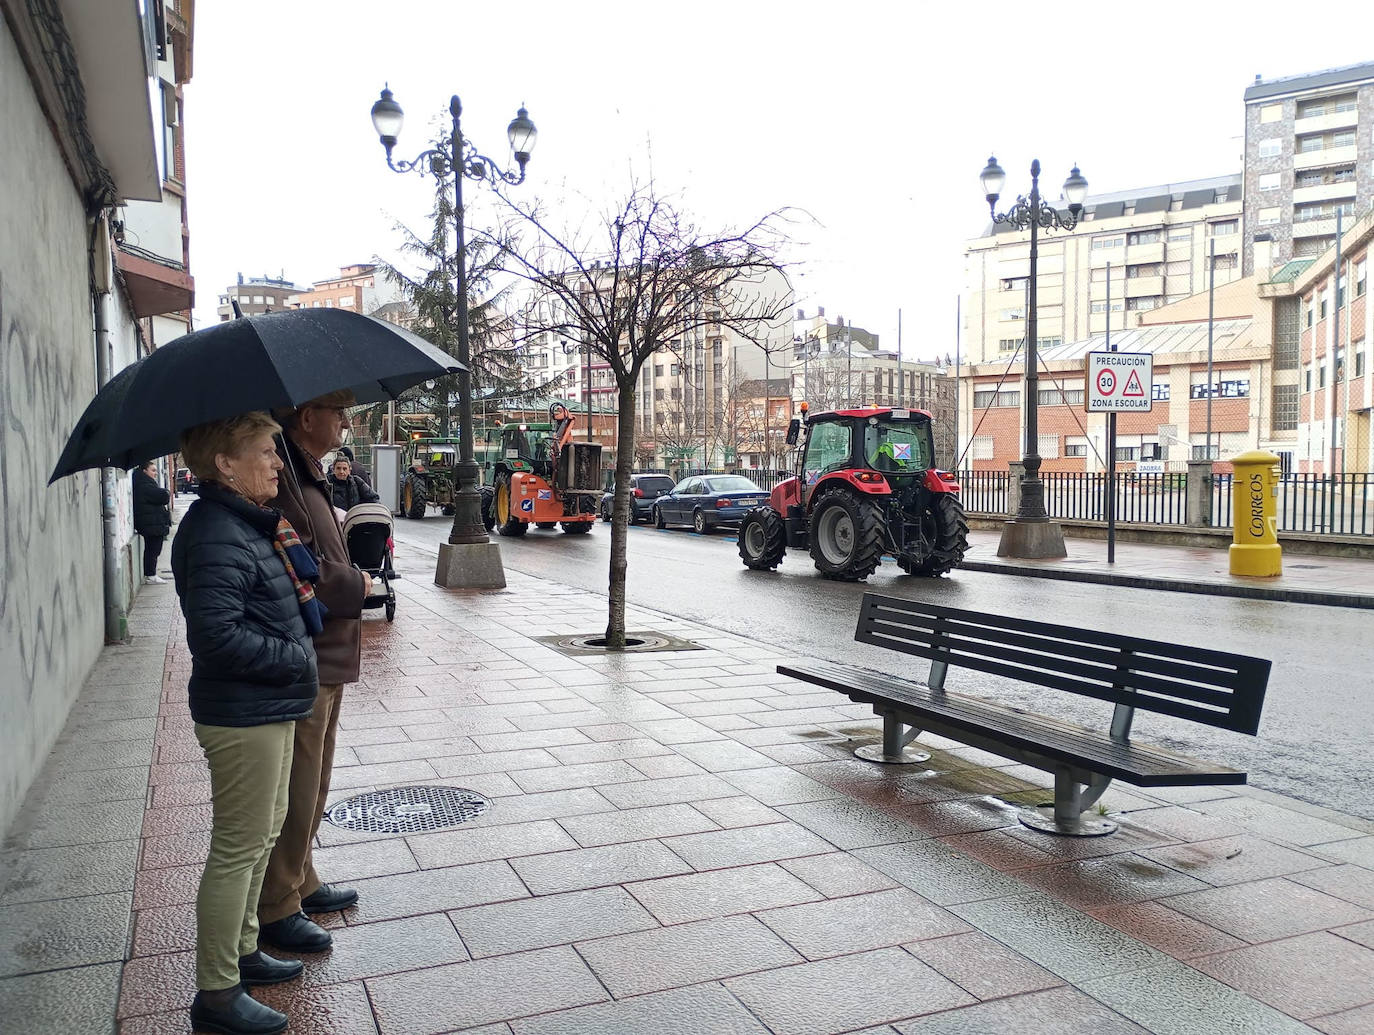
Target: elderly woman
{"points": [[244, 583]]}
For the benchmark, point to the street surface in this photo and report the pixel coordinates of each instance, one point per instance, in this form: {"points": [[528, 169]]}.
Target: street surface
{"points": [[1318, 724]]}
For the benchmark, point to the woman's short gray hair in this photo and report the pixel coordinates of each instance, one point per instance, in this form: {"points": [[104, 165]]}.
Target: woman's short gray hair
{"points": [[201, 444]]}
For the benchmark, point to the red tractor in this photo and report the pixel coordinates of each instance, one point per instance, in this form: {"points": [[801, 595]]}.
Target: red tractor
{"points": [[865, 485]]}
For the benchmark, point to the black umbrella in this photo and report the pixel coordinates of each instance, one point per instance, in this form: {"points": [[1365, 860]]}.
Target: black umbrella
{"points": [[256, 363]]}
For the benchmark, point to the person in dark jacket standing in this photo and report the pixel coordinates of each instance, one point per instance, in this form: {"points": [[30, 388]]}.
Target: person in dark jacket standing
{"points": [[244, 582], [292, 889], [356, 468], [346, 488], [151, 519]]}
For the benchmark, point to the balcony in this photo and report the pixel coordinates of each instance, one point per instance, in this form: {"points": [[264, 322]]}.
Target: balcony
{"points": [[1145, 252], [1138, 286], [1326, 156], [155, 287], [1323, 192], [1315, 228], [1322, 123]]}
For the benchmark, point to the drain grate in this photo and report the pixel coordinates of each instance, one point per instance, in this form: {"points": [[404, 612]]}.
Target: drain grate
{"points": [[639, 641], [407, 810]]}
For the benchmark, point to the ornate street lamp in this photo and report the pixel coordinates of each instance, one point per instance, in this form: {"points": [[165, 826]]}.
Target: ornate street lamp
{"points": [[1031, 533], [469, 559]]}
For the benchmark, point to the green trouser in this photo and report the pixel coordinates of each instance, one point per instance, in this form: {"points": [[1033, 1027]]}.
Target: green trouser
{"points": [[250, 774]]}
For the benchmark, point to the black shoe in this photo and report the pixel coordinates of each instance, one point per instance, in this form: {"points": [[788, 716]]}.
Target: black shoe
{"points": [[238, 1014], [261, 969], [296, 933], [328, 898]]}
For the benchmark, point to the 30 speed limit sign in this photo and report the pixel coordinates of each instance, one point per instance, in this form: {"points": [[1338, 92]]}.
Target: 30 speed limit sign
{"points": [[1118, 381]]}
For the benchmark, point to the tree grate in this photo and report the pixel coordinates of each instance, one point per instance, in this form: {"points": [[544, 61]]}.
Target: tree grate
{"points": [[407, 810]]}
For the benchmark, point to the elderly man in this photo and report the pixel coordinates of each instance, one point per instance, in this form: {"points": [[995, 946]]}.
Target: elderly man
{"points": [[291, 888]]}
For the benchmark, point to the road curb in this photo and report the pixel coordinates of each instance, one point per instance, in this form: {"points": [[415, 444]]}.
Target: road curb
{"points": [[1102, 578]]}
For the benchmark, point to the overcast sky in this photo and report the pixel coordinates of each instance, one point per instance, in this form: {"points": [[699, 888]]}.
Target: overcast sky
{"points": [[873, 117]]}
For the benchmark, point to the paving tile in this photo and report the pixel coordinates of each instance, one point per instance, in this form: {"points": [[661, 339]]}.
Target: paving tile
{"points": [[168, 886], [74, 788], [78, 824], [737, 812], [851, 824], [1062, 940], [177, 820], [538, 923], [587, 774], [1166, 929], [62, 1002], [744, 845], [427, 891], [316, 1009], [1111, 880], [1233, 860], [724, 755], [423, 1002], [1360, 933], [156, 984], [638, 747], [999, 849], [780, 785], [676, 731], [1305, 977], [635, 825], [651, 961], [838, 874], [1269, 820], [1130, 836], [381, 774], [1186, 824], [982, 966], [663, 792], [73, 932], [850, 992], [490, 762], [1264, 910], [1352, 883], [366, 859], [701, 1008], [659, 767], [858, 922], [1359, 851], [164, 929], [1347, 1022], [543, 805], [68, 871], [1057, 1011], [529, 739], [716, 893], [937, 872], [597, 867], [387, 947], [1175, 999], [612, 731], [699, 710]]}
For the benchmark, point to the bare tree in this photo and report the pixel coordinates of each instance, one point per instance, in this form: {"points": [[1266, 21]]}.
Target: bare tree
{"points": [[647, 276]]}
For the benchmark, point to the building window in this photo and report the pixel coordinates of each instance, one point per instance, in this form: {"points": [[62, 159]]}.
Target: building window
{"points": [[1361, 268], [1182, 233], [1075, 449], [1326, 106], [1270, 181], [1271, 113], [1144, 269], [1142, 303], [1223, 227], [1239, 389], [1008, 344], [1048, 446], [1307, 379], [658, 370], [1060, 397], [1287, 337], [1285, 407], [1159, 391], [1014, 283], [1128, 452], [1101, 307], [992, 397], [1325, 177], [981, 448], [673, 369], [1143, 237], [1270, 216], [1359, 363], [1323, 210], [1108, 242], [1204, 452], [346, 301], [1270, 148], [1225, 262]]}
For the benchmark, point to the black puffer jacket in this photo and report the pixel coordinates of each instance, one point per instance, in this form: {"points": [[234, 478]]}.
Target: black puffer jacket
{"points": [[350, 492], [150, 506], [252, 660]]}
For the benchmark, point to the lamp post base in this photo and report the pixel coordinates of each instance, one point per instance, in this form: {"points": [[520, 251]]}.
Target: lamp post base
{"points": [[1032, 540], [470, 566]]}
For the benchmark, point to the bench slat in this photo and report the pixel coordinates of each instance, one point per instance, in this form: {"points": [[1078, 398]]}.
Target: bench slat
{"points": [[1056, 739]]}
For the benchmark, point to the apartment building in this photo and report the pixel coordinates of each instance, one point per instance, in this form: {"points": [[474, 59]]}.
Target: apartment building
{"points": [[1131, 252], [1309, 152], [255, 296], [359, 287]]}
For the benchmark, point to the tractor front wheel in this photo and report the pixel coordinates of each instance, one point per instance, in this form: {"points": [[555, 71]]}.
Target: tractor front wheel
{"points": [[488, 504], [416, 499], [762, 539], [505, 520], [577, 527], [945, 530], [847, 535]]}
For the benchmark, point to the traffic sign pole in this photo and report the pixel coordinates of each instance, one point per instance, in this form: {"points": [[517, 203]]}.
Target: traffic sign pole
{"points": [[1111, 441]]}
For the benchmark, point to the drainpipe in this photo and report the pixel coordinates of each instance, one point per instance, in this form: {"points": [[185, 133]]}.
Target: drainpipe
{"points": [[116, 617]]}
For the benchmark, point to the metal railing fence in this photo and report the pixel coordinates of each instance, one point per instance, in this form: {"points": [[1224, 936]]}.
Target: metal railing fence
{"points": [[1315, 503]]}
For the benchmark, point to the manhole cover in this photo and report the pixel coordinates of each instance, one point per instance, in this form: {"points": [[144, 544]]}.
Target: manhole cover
{"points": [[407, 810], [637, 641]]}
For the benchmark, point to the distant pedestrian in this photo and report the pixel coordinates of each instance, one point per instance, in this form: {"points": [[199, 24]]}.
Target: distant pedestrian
{"points": [[245, 583], [357, 468], [346, 488], [151, 519]]}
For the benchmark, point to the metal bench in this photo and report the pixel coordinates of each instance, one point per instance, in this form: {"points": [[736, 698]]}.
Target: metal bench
{"points": [[1209, 687]]}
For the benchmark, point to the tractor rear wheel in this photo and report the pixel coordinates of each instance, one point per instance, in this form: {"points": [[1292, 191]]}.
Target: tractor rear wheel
{"points": [[847, 535], [577, 527], [416, 499], [762, 539], [946, 533], [488, 504], [505, 520]]}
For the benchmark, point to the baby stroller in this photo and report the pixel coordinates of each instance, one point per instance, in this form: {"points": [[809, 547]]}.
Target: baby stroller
{"points": [[367, 531]]}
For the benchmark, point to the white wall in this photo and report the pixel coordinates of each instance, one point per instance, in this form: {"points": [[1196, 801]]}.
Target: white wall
{"points": [[51, 584]]}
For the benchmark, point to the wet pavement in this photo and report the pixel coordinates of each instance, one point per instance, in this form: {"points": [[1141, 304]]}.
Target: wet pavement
{"points": [[677, 841]]}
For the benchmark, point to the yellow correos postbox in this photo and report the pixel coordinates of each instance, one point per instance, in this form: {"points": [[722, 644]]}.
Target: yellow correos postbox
{"points": [[1255, 548]]}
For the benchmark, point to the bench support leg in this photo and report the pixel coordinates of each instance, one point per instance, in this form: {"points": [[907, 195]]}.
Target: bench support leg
{"points": [[894, 749], [1064, 816]]}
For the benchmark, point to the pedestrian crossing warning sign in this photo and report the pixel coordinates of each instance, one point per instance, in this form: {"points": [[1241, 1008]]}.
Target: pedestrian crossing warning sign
{"points": [[1117, 381]]}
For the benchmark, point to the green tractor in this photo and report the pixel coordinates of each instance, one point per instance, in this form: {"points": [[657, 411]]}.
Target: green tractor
{"points": [[430, 476]]}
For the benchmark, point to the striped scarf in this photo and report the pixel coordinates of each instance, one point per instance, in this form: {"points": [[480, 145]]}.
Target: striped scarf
{"points": [[303, 571]]}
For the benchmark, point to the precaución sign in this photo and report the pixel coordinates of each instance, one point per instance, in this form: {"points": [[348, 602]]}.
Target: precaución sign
{"points": [[1118, 381]]}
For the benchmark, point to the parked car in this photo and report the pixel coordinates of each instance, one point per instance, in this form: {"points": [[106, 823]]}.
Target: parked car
{"points": [[186, 482], [708, 501], [644, 489]]}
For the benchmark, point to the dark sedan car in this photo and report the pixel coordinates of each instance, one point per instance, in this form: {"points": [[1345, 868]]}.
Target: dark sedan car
{"points": [[644, 489], [708, 501]]}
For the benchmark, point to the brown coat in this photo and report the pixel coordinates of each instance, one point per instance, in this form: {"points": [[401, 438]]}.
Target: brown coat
{"points": [[305, 501]]}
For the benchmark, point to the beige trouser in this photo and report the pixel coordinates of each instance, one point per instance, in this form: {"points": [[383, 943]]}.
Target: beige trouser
{"points": [[291, 870], [250, 770]]}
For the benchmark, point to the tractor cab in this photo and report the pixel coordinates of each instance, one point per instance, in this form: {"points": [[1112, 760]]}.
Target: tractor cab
{"points": [[527, 447], [898, 443]]}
